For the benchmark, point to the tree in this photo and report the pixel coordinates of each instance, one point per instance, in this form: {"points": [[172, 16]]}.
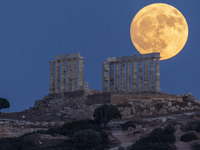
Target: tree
{"points": [[4, 103], [104, 113]]}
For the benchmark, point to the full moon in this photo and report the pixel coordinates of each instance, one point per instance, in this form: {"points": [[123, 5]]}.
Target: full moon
{"points": [[159, 28]]}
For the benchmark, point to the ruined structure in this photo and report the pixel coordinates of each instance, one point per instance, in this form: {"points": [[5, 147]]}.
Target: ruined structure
{"points": [[73, 80], [124, 79], [137, 80]]}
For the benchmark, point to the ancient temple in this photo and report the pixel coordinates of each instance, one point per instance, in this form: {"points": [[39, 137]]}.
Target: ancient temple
{"points": [[67, 74], [137, 73]]}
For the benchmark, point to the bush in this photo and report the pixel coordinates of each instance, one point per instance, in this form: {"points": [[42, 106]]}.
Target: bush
{"points": [[158, 139], [196, 147], [188, 137], [169, 129], [86, 139], [151, 146], [73, 127], [128, 124], [104, 113]]}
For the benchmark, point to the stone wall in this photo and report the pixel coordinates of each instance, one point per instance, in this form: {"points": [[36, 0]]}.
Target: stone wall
{"points": [[100, 98], [124, 98]]}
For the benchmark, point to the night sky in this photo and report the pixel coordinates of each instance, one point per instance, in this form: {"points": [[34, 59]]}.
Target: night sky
{"points": [[33, 32]]}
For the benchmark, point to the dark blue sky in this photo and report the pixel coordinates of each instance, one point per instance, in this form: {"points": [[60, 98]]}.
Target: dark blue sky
{"points": [[32, 32]]}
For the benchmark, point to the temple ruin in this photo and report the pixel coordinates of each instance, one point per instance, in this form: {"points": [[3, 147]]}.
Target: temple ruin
{"points": [[73, 80], [125, 80], [140, 78]]}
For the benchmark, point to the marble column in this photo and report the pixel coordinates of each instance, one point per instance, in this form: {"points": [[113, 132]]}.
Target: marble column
{"points": [[117, 77], [134, 76], [157, 88], [112, 77], [51, 87], [57, 76], [69, 80], [63, 76], [105, 70], [74, 74], [146, 80], [123, 87], [152, 80], [140, 76], [80, 73], [128, 77]]}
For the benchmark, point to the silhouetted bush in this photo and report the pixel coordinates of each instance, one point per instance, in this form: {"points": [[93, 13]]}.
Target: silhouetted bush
{"points": [[188, 137], [104, 113], [159, 135], [196, 147], [169, 129], [158, 139], [87, 139], [73, 127], [128, 124]]}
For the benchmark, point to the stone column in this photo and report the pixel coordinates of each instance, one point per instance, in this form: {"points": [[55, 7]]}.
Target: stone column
{"points": [[74, 74], [63, 76], [80, 73], [57, 76], [51, 87], [140, 76], [128, 77], [134, 76], [152, 87], [146, 80], [105, 70], [112, 77], [117, 77], [158, 75], [123, 87], [69, 80]]}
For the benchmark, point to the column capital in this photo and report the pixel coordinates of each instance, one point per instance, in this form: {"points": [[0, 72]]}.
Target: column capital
{"points": [[80, 58], [52, 61]]}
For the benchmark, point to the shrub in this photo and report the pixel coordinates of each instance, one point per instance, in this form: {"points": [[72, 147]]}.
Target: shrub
{"points": [[188, 137], [169, 129], [104, 113], [128, 124], [196, 147], [151, 146], [86, 139], [159, 135], [73, 127]]}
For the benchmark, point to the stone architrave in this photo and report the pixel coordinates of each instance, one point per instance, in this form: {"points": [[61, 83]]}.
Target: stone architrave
{"points": [[152, 76], [74, 74], [105, 70], [69, 80], [123, 79], [158, 75], [51, 87], [134, 76], [140, 76], [80, 73], [117, 77], [146, 80], [128, 77], [57, 76], [112, 77], [63, 76]]}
